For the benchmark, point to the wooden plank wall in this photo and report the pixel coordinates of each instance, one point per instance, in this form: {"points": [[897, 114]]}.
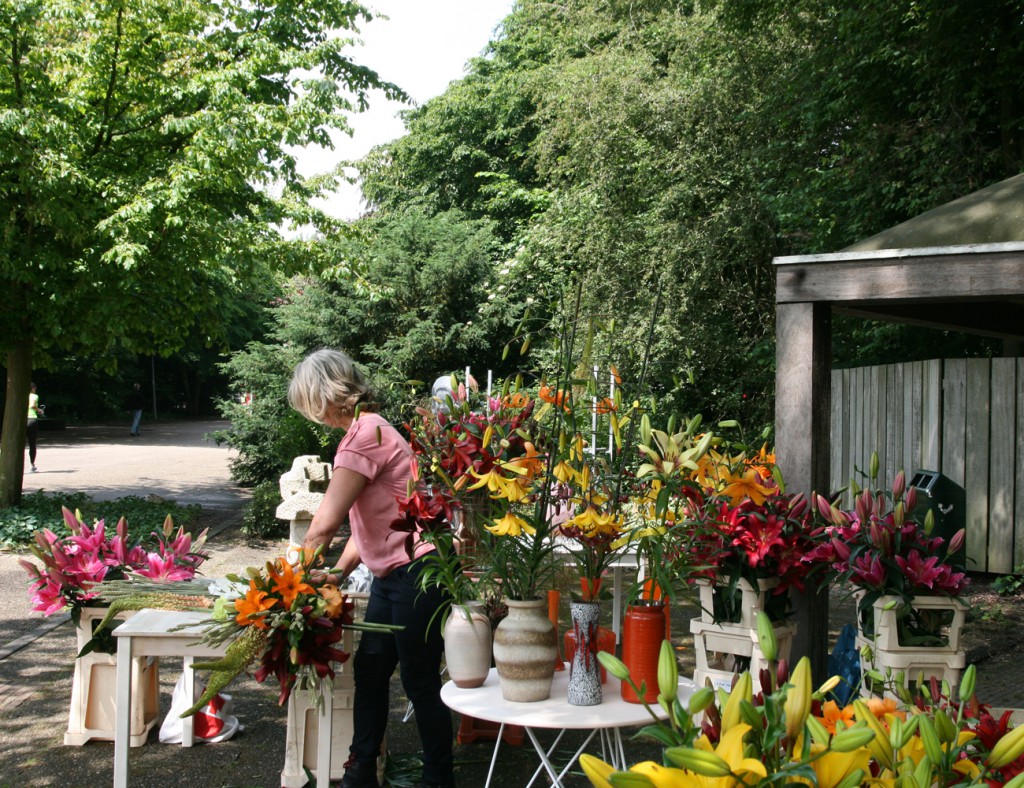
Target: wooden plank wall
{"points": [[961, 417]]}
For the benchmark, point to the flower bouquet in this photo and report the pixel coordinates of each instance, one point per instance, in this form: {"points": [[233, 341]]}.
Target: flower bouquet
{"points": [[790, 734], [726, 518], [275, 616], [884, 550], [74, 566]]}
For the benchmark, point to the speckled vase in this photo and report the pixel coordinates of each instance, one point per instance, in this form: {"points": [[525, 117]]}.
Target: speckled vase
{"points": [[525, 647], [585, 670]]}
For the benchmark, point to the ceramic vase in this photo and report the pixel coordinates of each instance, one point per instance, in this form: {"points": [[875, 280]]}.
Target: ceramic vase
{"points": [[642, 633], [606, 641], [525, 647], [585, 670], [467, 645]]}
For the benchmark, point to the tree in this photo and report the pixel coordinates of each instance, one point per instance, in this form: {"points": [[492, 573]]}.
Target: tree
{"points": [[145, 162]]}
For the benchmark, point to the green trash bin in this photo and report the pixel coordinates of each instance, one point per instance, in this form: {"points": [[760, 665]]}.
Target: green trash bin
{"points": [[947, 500]]}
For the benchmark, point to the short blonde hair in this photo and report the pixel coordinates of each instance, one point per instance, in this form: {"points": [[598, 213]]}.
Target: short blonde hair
{"points": [[326, 378]]}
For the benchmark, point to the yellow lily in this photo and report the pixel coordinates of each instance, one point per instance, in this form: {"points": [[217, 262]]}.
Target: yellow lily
{"points": [[833, 767], [731, 750], [511, 525], [746, 485], [492, 480], [666, 776]]}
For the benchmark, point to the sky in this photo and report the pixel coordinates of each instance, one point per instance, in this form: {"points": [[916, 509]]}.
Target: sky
{"points": [[422, 47]]}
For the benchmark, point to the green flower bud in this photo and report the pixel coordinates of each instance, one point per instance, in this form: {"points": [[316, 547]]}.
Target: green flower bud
{"points": [[766, 637], [613, 665]]}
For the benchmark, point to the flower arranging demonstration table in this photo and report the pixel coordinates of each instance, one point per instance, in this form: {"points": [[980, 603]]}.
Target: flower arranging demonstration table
{"points": [[154, 633], [555, 713]]}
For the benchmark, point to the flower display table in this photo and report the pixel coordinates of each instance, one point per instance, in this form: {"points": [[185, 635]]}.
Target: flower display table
{"points": [[892, 650], [555, 713], [724, 649], [303, 738], [92, 713]]}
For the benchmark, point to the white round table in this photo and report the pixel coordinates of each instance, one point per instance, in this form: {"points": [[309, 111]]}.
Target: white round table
{"points": [[555, 713]]}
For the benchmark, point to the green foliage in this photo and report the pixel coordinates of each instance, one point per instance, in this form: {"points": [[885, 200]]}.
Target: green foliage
{"points": [[259, 517], [403, 297], [1011, 584], [43, 510], [137, 142]]}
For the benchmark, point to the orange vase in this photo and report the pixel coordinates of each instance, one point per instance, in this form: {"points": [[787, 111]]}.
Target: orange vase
{"points": [[642, 633]]}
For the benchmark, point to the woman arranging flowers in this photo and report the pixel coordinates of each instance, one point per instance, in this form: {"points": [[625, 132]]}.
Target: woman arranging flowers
{"points": [[371, 473]]}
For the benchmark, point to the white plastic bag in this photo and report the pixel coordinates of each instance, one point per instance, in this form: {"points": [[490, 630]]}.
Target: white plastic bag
{"points": [[211, 724]]}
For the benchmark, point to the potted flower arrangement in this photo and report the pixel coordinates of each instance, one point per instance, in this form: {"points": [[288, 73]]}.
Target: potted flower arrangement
{"points": [[733, 532], [521, 479], [909, 609], [72, 568], [789, 733]]}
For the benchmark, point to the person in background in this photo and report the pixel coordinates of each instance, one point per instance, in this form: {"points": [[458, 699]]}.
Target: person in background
{"points": [[136, 402], [35, 410], [371, 472]]}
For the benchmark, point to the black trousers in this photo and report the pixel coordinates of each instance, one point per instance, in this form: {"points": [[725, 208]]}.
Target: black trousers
{"points": [[416, 650], [31, 433]]}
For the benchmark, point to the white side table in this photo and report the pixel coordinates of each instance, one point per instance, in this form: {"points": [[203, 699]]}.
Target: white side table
{"points": [[154, 633], [555, 713]]}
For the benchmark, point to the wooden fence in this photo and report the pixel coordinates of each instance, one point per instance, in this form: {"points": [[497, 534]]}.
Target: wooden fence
{"points": [[963, 418]]}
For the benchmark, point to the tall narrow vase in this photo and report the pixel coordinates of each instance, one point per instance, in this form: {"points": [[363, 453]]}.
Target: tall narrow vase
{"points": [[585, 671], [643, 631], [525, 648]]}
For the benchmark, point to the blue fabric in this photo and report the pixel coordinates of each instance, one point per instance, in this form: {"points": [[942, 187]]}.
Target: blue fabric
{"points": [[845, 663]]}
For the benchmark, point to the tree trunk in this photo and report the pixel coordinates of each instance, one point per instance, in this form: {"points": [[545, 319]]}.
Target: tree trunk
{"points": [[12, 443]]}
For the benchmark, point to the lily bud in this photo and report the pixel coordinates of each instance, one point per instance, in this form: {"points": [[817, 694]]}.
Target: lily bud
{"points": [[1007, 749], [668, 672], [822, 506], [899, 485], [613, 665], [700, 700], [798, 505], [956, 543], [702, 762], [880, 747], [910, 499], [863, 506], [742, 691], [929, 522], [873, 465], [852, 739], [766, 637], [898, 515], [798, 698], [967, 682]]}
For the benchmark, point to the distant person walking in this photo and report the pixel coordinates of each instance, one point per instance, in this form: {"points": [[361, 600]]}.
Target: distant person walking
{"points": [[136, 402], [35, 410]]}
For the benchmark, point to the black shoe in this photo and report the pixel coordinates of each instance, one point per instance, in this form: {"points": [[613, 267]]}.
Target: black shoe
{"points": [[360, 775]]}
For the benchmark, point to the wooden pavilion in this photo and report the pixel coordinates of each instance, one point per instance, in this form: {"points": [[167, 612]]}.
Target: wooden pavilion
{"points": [[958, 267]]}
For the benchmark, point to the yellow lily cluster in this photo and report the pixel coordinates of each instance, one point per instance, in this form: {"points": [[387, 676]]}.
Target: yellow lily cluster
{"points": [[871, 742]]}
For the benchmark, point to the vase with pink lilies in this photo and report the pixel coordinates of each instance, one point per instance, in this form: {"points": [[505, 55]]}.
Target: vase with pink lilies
{"points": [[74, 565]]}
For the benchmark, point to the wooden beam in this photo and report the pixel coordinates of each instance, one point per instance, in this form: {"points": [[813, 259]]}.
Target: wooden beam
{"points": [[938, 277], [999, 319]]}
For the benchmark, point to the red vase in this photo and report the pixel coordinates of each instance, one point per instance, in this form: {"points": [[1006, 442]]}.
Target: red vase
{"points": [[605, 642], [642, 633]]}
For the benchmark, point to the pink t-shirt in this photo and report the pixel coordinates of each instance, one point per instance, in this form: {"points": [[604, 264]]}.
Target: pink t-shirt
{"points": [[376, 450]]}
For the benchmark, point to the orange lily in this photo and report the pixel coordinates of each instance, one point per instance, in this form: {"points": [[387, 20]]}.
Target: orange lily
{"points": [[288, 582], [252, 605]]}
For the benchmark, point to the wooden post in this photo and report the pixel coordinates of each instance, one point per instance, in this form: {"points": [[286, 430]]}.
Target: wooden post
{"points": [[803, 395]]}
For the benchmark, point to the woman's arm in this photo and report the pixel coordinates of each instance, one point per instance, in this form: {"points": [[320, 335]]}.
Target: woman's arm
{"points": [[342, 492]]}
